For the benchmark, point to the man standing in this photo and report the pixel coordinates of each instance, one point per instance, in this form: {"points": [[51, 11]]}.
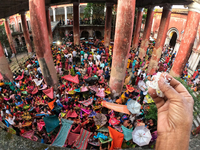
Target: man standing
{"points": [[142, 86], [74, 56]]}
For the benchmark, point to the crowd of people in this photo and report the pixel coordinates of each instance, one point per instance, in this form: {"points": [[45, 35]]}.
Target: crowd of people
{"points": [[80, 113]]}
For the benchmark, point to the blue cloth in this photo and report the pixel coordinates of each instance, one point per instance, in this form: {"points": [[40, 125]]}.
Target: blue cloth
{"points": [[127, 133], [62, 135], [100, 135], [77, 90], [102, 65], [17, 97], [18, 103], [38, 115], [51, 122], [42, 141], [78, 73]]}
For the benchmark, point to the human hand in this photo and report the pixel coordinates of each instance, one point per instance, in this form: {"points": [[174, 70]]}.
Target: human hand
{"points": [[175, 111]]}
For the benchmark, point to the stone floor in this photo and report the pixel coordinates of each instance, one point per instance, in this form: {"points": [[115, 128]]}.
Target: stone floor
{"points": [[16, 61]]}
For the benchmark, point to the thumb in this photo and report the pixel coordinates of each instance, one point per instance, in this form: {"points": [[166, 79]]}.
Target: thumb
{"points": [[168, 90]]}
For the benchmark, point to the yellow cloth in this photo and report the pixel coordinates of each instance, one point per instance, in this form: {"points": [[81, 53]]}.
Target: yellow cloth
{"points": [[128, 64]]}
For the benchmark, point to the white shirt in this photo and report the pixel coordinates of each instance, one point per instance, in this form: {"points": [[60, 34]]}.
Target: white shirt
{"points": [[93, 50], [39, 70], [18, 85], [68, 55], [142, 86], [94, 57], [85, 56], [98, 57], [74, 53], [11, 120], [97, 62], [90, 63]]}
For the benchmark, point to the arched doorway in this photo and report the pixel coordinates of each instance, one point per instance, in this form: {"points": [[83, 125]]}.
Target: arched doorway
{"points": [[98, 34], [31, 38], [17, 42], [172, 42], [23, 41], [85, 34]]}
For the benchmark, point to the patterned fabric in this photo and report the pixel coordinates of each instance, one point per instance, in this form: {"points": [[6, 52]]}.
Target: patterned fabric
{"points": [[72, 137], [49, 92], [30, 135], [82, 141], [87, 102], [40, 125], [72, 114], [26, 116], [77, 129], [86, 111], [63, 133]]}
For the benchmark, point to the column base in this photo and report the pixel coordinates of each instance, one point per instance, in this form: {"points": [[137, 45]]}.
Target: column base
{"points": [[31, 54], [173, 74]]}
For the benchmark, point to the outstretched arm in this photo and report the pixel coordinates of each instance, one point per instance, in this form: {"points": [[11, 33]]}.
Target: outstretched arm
{"points": [[175, 114]]}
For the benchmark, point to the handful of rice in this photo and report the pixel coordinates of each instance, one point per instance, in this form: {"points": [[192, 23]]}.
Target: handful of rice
{"points": [[154, 84]]}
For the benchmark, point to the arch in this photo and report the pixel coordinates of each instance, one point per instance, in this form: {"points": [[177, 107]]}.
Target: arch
{"points": [[172, 42], [85, 34], [171, 31], [31, 38], [98, 34], [23, 41], [17, 42]]}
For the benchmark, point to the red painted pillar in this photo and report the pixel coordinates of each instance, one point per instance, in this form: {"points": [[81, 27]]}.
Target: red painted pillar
{"points": [[187, 41], [122, 43], [76, 29], [108, 23], [147, 32], [4, 66], [41, 42], [137, 28], [26, 33], [49, 25], [9, 35], [162, 33]]}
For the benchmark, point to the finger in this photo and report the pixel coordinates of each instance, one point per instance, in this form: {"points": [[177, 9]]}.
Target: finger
{"points": [[175, 84], [159, 101], [179, 87], [168, 90]]}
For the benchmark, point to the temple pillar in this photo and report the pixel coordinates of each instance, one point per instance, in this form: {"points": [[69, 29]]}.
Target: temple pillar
{"points": [[146, 33], [137, 28], [4, 66], [91, 14], [123, 36], [9, 35], [48, 17], [54, 14], [76, 29], [162, 33], [108, 23], [41, 43], [187, 40], [26, 33], [65, 15]]}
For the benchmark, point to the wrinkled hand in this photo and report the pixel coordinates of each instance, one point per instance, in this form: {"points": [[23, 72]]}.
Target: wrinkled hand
{"points": [[175, 110]]}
